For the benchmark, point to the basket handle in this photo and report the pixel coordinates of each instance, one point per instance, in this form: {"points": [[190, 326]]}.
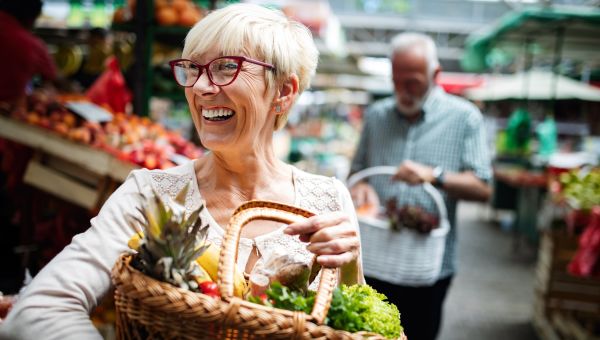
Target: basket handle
{"points": [[278, 212], [391, 170]]}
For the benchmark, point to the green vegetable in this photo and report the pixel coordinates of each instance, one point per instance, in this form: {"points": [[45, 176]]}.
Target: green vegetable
{"points": [[361, 308], [581, 189], [353, 308], [282, 297]]}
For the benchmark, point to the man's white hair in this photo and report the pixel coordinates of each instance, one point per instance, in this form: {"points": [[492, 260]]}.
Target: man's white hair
{"points": [[407, 41]]}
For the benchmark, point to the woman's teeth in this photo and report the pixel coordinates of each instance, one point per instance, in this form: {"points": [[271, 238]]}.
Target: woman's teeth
{"points": [[217, 114]]}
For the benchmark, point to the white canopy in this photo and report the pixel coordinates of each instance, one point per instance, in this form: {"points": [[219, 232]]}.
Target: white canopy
{"points": [[534, 85]]}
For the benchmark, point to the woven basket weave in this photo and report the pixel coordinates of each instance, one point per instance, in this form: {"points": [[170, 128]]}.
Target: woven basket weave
{"points": [[150, 309], [406, 256]]}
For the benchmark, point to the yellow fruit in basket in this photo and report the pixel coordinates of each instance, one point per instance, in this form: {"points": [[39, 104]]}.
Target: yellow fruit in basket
{"points": [[134, 241], [209, 260], [203, 277]]}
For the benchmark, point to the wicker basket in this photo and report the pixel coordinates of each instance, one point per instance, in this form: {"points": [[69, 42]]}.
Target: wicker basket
{"points": [[405, 256], [150, 309]]}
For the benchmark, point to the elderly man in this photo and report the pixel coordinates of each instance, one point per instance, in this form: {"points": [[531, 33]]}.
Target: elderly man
{"points": [[431, 137]]}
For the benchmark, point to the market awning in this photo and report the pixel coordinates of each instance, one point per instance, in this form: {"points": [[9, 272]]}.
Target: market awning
{"points": [[533, 85], [540, 27], [457, 83]]}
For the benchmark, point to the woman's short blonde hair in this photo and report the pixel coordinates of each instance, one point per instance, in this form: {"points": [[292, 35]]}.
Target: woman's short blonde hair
{"points": [[261, 33]]}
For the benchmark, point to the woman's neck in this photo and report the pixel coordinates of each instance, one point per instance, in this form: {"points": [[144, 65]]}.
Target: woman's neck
{"points": [[249, 176]]}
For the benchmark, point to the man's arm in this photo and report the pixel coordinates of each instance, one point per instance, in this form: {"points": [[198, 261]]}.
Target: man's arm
{"points": [[462, 185], [471, 181], [466, 186]]}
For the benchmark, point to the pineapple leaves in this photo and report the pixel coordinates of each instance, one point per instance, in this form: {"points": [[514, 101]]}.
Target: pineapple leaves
{"points": [[172, 240], [180, 198]]}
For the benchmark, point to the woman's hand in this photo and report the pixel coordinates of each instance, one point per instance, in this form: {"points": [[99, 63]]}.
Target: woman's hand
{"points": [[331, 237]]}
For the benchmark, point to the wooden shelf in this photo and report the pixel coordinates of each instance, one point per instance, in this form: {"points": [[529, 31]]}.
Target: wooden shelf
{"points": [[94, 160], [73, 172]]}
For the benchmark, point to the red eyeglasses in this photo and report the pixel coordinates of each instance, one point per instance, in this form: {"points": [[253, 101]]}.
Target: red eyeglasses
{"points": [[221, 71]]}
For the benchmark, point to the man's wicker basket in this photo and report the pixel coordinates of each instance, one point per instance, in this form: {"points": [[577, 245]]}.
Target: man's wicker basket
{"points": [[406, 256], [150, 309]]}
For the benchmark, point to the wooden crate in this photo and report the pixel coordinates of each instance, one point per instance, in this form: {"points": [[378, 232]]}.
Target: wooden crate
{"points": [[74, 172], [558, 288], [570, 326], [569, 305]]}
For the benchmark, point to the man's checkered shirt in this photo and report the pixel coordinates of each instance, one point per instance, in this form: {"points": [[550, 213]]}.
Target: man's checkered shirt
{"points": [[450, 133]]}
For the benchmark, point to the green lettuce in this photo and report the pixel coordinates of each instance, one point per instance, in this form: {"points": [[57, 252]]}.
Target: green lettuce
{"points": [[361, 308], [353, 308]]}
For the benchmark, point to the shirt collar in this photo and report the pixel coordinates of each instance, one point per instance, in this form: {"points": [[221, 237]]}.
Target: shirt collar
{"points": [[427, 109], [429, 104]]}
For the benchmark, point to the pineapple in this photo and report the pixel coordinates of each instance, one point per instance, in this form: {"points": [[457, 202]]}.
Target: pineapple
{"points": [[172, 241]]}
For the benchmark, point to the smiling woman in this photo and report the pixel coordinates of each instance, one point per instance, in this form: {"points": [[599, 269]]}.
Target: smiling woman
{"points": [[242, 69]]}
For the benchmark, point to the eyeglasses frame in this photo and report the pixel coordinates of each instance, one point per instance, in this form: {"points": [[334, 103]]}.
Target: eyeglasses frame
{"points": [[201, 67]]}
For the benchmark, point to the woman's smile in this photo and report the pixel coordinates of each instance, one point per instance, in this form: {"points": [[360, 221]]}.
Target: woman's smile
{"points": [[218, 114]]}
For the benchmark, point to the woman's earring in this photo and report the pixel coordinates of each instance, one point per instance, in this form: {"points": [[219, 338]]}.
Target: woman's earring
{"points": [[278, 108]]}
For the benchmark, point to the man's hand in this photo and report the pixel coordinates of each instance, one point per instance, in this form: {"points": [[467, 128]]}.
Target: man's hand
{"points": [[365, 199], [413, 173]]}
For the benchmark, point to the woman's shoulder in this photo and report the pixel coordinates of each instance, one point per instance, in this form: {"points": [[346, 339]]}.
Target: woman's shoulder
{"points": [[317, 192], [167, 181], [310, 178], [177, 173]]}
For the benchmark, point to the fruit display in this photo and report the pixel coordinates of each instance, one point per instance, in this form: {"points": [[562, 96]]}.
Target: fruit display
{"points": [[68, 59], [586, 261], [581, 188], [183, 13], [128, 137]]}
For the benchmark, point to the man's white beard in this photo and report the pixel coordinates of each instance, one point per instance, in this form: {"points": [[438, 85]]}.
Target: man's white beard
{"points": [[416, 106]]}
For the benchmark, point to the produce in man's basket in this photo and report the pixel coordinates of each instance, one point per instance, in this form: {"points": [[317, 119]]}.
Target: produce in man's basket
{"points": [[410, 216]]}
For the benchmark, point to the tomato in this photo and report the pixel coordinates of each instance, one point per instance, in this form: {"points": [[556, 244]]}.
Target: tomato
{"points": [[210, 288]]}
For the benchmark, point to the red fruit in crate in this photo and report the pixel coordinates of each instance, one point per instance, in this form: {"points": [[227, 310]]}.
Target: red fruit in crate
{"points": [[210, 288], [137, 157], [150, 162], [33, 118], [45, 122], [167, 164], [55, 116], [61, 128], [69, 119]]}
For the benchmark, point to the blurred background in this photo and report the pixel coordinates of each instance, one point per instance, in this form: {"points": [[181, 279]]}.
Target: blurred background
{"points": [[531, 66]]}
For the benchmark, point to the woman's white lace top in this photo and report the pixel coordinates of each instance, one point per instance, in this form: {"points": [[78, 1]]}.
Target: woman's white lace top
{"points": [[58, 301], [315, 193]]}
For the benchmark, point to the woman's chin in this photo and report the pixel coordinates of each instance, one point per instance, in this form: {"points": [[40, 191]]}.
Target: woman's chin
{"points": [[217, 143]]}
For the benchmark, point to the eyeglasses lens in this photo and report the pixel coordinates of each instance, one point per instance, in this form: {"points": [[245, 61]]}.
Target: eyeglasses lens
{"points": [[222, 71]]}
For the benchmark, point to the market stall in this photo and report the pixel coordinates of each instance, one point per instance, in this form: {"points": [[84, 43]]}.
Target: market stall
{"points": [[567, 286]]}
